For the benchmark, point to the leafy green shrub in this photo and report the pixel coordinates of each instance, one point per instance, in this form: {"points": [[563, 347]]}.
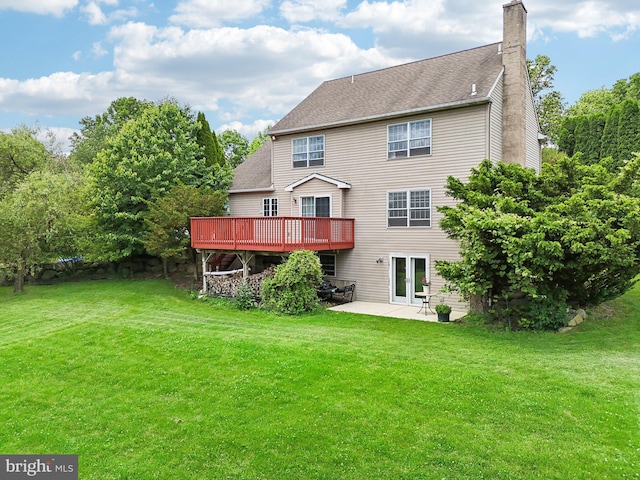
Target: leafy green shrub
{"points": [[293, 288], [545, 312], [571, 229], [244, 298]]}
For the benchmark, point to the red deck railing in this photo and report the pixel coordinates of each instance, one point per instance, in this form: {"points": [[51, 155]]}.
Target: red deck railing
{"points": [[272, 234]]}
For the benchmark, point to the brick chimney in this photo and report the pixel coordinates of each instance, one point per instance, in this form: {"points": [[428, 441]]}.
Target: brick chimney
{"points": [[514, 60]]}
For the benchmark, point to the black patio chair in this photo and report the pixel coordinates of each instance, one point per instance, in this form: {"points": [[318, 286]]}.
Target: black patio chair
{"points": [[345, 293]]}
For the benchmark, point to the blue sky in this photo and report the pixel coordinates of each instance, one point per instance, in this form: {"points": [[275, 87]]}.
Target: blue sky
{"points": [[246, 63]]}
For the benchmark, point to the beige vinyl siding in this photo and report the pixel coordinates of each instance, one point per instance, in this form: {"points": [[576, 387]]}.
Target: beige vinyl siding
{"points": [[534, 154], [250, 204], [495, 123], [357, 155]]}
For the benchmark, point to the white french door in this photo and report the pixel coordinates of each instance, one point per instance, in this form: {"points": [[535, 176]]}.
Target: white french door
{"points": [[406, 275]]}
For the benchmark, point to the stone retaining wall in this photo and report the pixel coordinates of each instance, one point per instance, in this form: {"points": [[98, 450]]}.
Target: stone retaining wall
{"points": [[80, 270]]}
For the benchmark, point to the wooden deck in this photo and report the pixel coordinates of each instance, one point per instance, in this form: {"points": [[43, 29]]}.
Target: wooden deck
{"points": [[272, 234]]}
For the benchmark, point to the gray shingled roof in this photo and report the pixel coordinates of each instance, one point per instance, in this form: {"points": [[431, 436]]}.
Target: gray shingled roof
{"points": [[424, 85], [255, 172]]}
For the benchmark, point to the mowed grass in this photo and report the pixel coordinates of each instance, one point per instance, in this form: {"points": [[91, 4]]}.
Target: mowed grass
{"points": [[143, 382]]}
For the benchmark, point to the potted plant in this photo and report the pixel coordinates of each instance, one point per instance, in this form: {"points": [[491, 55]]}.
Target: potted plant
{"points": [[443, 311], [425, 284]]}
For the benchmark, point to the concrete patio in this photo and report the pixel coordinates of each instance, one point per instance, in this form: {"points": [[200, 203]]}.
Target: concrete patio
{"points": [[410, 312]]}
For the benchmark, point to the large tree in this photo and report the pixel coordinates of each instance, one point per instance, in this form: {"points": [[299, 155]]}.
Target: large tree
{"points": [[604, 124], [593, 101], [259, 140], [533, 244], [235, 147], [550, 106], [37, 223], [598, 136], [20, 154], [628, 88], [151, 154], [212, 150], [168, 221], [94, 131]]}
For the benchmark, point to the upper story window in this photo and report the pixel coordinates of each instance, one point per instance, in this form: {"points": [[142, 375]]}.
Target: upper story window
{"points": [[410, 208], [308, 151], [409, 139], [270, 207]]}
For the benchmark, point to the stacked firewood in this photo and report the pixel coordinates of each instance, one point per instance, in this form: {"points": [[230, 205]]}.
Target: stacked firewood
{"points": [[227, 285]]}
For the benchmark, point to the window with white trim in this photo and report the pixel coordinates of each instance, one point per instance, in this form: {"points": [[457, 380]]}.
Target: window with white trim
{"points": [[411, 208], [308, 151], [328, 264], [270, 207], [315, 206], [409, 139]]}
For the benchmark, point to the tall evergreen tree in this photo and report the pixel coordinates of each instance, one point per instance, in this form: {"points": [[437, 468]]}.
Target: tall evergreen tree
{"points": [[628, 129], [566, 137], [594, 138], [221, 160], [581, 134], [609, 144], [206, 141]]}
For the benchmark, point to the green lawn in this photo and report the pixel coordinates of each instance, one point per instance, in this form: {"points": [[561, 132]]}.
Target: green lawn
{"points": [[143, 382]]}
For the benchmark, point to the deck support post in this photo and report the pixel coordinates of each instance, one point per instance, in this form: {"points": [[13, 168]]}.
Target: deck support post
{"points": [[245, 258], [205, 259]]}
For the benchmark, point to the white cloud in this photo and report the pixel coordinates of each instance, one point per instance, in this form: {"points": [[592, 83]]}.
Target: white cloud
{"points": [[587, 18], [98, 51], [57, 138], [425, 28], [261, 67], [42, 7], [248, 130], [59, 93], [212, 13], [94, 14], [300, 11], [264, 69]]}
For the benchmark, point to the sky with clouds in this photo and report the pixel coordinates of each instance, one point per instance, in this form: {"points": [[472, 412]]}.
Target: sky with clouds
{"points": [[246, 63]]}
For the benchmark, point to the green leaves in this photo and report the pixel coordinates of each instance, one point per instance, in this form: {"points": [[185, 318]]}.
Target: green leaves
{"points": [[292, 290], [575, 228], [604, 125], [168, 219], [235, 147], [37, 223], [549, 106], [20, 154], [152, 153]]}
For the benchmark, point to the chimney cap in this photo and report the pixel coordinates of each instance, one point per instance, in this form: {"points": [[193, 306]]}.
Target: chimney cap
{"points": [[513, 3]]}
